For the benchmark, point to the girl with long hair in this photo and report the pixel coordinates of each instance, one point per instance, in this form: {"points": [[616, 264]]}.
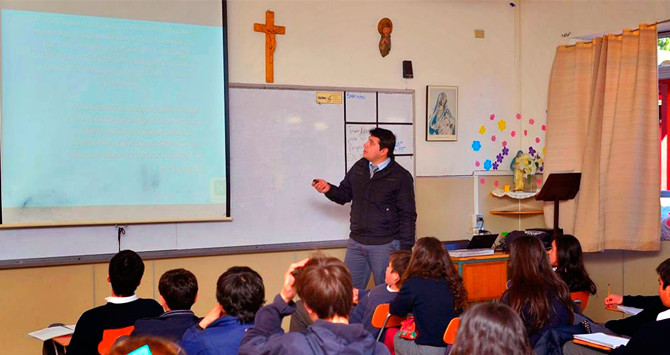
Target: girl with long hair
{"points": [[535, 291], [433, 291], [491, 329], [566, 256]]}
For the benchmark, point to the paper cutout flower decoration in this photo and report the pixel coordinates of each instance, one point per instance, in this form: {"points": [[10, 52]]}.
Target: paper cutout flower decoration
{"points": [[482, 129], [502, 125], [476, 145]]}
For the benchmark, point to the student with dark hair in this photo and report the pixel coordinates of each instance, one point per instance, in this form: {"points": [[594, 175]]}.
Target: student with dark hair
{"points": [[178, 290], [383, 210], [123, 308], [650, 338], [384, 293], [566, 256], [491, 329], [433, 291], [240, 293], [325, 287], [535, 291], [155, 345]]}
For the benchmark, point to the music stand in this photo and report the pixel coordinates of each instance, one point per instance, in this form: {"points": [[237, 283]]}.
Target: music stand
{"points": [[559, 187]]}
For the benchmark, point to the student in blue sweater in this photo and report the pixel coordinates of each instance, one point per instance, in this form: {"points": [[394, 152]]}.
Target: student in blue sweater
{"points": [[384, 293], [433, 291], [240, 294]]}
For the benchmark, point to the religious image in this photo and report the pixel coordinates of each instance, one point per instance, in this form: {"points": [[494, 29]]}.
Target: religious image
{"points": [[385, 27], [441, 113]]}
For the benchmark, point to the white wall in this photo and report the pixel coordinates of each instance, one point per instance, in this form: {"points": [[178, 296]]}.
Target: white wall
{"points": [[335, 43]]}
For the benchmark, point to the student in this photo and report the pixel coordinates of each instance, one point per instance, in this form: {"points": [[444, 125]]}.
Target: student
{"points": [[325, 287], [433, 291], [156, 346], [651, 306], [178, 290], [123, 308], [651, 338], [491, 329], [240, 293], [384, 293], [535, 292], [566, 256]]}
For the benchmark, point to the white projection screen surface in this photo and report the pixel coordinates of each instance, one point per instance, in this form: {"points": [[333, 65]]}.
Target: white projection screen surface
{"points": [[113, 112]]}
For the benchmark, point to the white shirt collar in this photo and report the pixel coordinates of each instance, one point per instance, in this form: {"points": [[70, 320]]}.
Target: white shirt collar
{"points": [[121, 300], [389, 289], [381, 165], [663, 315]]}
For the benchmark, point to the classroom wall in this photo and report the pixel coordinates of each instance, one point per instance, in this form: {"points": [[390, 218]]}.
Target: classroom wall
{"points": [[334, 43]]}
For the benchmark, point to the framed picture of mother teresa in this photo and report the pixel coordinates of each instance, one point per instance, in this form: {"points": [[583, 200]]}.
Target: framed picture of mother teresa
{"points": [[441, 113]]}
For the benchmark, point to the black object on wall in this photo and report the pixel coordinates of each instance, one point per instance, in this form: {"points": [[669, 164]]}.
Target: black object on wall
{"points": [[407, 69]]}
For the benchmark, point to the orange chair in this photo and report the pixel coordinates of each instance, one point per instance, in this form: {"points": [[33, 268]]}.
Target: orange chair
{"points": [[383, 319], [580, 298], [109, 336], [452, 329]]}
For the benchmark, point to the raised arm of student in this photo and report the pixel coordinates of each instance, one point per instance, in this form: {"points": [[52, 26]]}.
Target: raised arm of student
{"points": [[266, 333]]}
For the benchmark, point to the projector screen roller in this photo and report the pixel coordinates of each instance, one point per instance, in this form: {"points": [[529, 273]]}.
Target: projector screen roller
{"points": [[111, 120]]}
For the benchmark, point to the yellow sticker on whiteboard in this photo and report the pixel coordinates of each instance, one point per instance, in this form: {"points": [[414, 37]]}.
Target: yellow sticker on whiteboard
{"points": [[328, 97]]}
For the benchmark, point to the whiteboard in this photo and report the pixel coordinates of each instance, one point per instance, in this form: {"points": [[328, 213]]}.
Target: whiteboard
{"points": [[361, 106], [280, 139]]}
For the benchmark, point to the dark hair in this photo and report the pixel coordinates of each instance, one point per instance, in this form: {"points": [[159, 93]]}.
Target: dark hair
{"points": [[533, 282], [430, 260], [241, 293], [491, 329], [663, 271], [125, 272], [157, 345], [399, 261], [571, 265], [178, 288], [386, 139], [325, 286]]}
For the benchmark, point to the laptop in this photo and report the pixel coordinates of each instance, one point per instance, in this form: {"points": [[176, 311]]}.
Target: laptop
{"points": [[480, 244], [482, 241]]}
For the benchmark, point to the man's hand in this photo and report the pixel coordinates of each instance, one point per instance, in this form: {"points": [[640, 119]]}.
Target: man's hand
{"points": [[355, 295], [215, 313], [321, 186], [613, 300], [287, 292]]}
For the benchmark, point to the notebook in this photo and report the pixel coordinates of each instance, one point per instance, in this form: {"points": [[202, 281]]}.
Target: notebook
{"points": [[600, 340]]}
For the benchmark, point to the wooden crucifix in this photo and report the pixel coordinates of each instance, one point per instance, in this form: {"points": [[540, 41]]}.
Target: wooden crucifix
{"points": [[270, 31]]}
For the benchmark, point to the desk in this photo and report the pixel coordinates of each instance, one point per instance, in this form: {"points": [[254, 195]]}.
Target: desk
{"points": [[484, 277]]}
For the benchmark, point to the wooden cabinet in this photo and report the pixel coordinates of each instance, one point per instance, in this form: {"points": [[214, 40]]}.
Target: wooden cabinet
{"points": [[484, 277]]}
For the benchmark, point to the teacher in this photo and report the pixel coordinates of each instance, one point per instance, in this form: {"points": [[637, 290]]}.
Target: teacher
{"points": [[383, 210]]}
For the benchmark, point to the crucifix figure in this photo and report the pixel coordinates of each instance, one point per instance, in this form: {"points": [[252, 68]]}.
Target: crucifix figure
{"points": [[270, 31]]}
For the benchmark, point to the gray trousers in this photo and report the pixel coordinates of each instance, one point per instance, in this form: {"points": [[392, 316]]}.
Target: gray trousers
{"points": [[361, 259], [409, 347]]}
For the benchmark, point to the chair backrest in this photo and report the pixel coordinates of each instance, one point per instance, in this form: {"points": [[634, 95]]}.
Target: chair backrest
{"points": [[580, 297], [452, 329], [109, 336], [383, 319]]}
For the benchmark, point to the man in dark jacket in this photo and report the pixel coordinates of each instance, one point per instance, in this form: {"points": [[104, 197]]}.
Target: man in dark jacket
{"points": [[383, 210], [324, 285]]}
